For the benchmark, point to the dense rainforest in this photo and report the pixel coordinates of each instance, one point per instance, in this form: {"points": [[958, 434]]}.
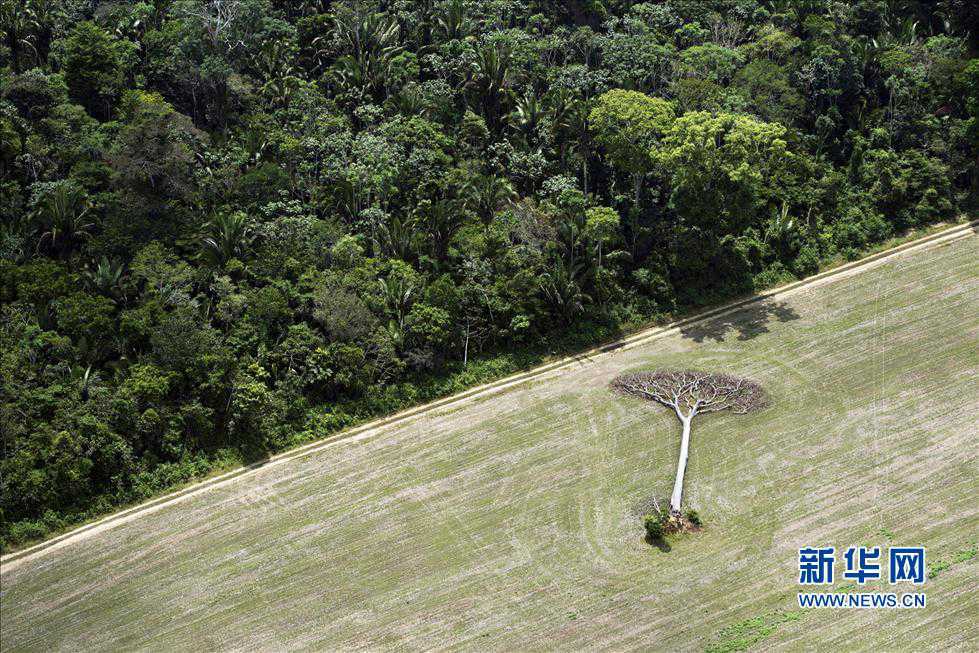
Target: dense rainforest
{"points": [[231, 226]]}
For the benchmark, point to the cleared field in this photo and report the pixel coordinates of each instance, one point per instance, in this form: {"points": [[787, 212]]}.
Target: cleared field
{"points": [[508, 524]]}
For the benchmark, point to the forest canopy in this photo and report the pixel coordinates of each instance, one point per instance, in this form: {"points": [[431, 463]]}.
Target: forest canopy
{"points": [[230, 226]]}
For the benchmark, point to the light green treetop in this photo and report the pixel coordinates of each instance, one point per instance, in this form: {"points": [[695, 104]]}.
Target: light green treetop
{"points": [[627, 124]]}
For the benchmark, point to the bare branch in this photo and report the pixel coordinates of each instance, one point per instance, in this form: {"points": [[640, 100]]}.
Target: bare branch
{"points": [[217, 17], [690, 392]]}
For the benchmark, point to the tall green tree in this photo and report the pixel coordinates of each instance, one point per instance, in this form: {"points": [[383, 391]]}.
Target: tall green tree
{"points": [[97, 67], [628, 125]]}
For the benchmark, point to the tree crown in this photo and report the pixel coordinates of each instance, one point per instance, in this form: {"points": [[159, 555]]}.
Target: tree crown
{"points": [[690, 392]]}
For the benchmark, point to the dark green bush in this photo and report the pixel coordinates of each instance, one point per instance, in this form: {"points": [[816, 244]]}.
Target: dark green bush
{"points": [[693, 517], [654, 527]]}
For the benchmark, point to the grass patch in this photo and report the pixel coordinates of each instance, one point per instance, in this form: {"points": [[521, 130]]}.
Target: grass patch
{"points": [[942, 564], [745, 634]]}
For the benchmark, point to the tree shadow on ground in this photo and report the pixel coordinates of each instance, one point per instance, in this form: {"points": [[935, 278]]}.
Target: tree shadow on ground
{"points": [[660, 543], [748, 322]]}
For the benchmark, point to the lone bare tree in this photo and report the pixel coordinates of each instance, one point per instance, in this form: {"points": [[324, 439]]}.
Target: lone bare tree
{"points": [[690, 393]]}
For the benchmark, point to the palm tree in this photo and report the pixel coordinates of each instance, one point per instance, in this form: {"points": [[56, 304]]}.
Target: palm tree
{"points": [[396, 236], [562, 290], [560, 105], [108, 278], [398, 294], [18, 24], [351, 74], [570, 232], [63, 213], [134, 27], [488, 193], [83, 378], [491, 77], [312, 7], [273, 66], [452, 22], [527, 114], [569, 116], [410, 101], [14, 234], [899, 31], [255, 143], [780, 229], [348, 199], [369, 42], [444, 218], [229, 236]]}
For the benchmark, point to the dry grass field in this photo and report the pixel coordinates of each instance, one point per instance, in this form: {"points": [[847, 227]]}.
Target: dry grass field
{"points": [[508, 523]]}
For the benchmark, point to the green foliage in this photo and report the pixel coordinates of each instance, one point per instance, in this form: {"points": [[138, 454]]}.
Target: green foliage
{"points": [[745, 634], [41, 281], [339, 369], [936, 567], [147, 385], [628, 124], [428, 327], [35, 94], [602, 225], [62, 211], [96, 67], [693, 517], [654, 525], [81, 316], [251, 410], [228, 237], [711, 62], [153, 152], [768, 90], [720, 169], [910, 187]]}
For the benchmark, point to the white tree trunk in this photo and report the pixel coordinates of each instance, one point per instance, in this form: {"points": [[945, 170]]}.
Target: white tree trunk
{"points": [[681, 466]]}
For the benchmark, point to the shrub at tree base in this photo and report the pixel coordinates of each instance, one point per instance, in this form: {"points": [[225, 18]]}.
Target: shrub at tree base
{"points": [[660, 524], [693, 517], [654, 527]]}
